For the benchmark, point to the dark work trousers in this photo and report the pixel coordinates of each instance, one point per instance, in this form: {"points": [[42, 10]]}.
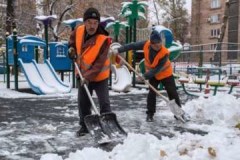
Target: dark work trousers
{"points": [[84, 104], [170, 87]]}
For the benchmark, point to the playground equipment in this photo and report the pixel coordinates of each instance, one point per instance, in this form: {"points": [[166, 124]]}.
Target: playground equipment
{"points": [[117, 26], [122, 79], [133, 11], [212, 86], [2, 62], [46, 20], [59, 56], [41, 77]]}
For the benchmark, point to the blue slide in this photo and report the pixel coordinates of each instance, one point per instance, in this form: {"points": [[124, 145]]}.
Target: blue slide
{"points": [[42, 78]]}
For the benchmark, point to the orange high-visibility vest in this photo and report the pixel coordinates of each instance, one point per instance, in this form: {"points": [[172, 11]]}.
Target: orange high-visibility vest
{"points": [[87, 57], [167, 68]]}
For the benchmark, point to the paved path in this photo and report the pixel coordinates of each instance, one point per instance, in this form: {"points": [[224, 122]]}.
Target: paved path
{"points": [[30, 128]]}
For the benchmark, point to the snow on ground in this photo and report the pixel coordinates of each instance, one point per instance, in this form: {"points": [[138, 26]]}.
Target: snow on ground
{"points": [[221, 143]]}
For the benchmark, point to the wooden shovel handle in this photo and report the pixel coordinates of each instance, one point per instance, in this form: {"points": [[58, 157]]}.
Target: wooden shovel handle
{"points": [[87, 91], [146, 82]]}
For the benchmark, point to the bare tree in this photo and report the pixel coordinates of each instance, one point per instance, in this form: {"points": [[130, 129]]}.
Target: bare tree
{"points": [[176, 17], [10, 17], [25, 13], [23, 17]]}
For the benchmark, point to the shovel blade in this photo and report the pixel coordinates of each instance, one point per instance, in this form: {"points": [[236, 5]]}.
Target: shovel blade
{"points": [[94, 127], [176, 110], [111, 125]]}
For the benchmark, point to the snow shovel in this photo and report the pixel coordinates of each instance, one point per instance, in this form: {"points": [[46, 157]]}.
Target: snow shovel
{"points": [[103, 127], [175, 109]]}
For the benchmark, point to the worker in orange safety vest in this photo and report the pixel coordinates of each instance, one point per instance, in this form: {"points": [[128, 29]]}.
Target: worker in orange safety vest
{"points": [[88, 46]]}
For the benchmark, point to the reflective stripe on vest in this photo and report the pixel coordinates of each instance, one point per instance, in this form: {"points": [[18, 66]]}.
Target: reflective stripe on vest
{"points": [[87, 57], [166, 71]]}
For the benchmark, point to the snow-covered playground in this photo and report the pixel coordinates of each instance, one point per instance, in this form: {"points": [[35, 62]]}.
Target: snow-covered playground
{"points": [[43, 127]]}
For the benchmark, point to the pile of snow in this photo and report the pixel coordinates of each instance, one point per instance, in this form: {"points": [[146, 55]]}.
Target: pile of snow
{"points": [[222, 109], [222, 141]]}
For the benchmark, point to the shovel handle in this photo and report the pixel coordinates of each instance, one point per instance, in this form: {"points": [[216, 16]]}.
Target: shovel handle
{"points": [[87, 90], [146, 82]]}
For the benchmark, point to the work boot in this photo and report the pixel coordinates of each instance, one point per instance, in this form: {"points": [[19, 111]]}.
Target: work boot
{"points": [[149, 118], [82, 131]]}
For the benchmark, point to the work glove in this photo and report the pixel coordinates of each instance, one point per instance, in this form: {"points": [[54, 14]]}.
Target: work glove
{"points": [[140, 79], [72, 53], [146, 75], [115, 51], [84, 81]]}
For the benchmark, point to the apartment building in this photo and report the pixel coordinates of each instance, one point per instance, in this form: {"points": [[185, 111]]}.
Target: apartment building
{"points": [[207, 27], [234, 30]]}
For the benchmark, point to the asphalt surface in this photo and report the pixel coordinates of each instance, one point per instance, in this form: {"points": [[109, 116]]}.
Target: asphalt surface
{"points": [[32, 127]]}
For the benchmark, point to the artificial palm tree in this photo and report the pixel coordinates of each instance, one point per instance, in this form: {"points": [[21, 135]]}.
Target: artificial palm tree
{"points": [[133, 11]]}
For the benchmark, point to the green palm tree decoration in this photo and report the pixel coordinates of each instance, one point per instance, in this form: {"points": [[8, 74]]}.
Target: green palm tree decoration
{"points": [[133, 11], [117, 26]]}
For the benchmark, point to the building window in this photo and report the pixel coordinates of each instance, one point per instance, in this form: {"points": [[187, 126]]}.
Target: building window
{"points": [[215, 18], [215, 4], [215, 33], [213, 46]]}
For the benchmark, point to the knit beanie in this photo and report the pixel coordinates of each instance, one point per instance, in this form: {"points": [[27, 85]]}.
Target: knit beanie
{"points": [[155, 37], [91, 13]]}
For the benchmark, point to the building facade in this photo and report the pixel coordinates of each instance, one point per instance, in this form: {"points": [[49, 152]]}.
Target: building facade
{"points": [[233, 30], [207, 28]]}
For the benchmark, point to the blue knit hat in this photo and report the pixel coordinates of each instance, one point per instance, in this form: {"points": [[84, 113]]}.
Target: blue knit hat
{"points": [[155, 37]]}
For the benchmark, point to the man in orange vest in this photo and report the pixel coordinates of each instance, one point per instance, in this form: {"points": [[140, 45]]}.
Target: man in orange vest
{"points": [[158, 69], [88, 46]]}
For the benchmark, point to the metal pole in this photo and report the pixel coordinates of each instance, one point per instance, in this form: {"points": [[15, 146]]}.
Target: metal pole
{"points": [[46, 40], [220, 53], [15, 58], [116, 38], [73, 70], [127, 41], [231, 66], [134, 52], [4, 67], [7, 61], [200, 62]]}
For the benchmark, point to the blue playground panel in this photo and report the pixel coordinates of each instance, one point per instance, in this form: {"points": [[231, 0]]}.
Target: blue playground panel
{"points": [[166, 35], [59, 56], [26, 51], [25, 48], [2, 68], [10, 50]]}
